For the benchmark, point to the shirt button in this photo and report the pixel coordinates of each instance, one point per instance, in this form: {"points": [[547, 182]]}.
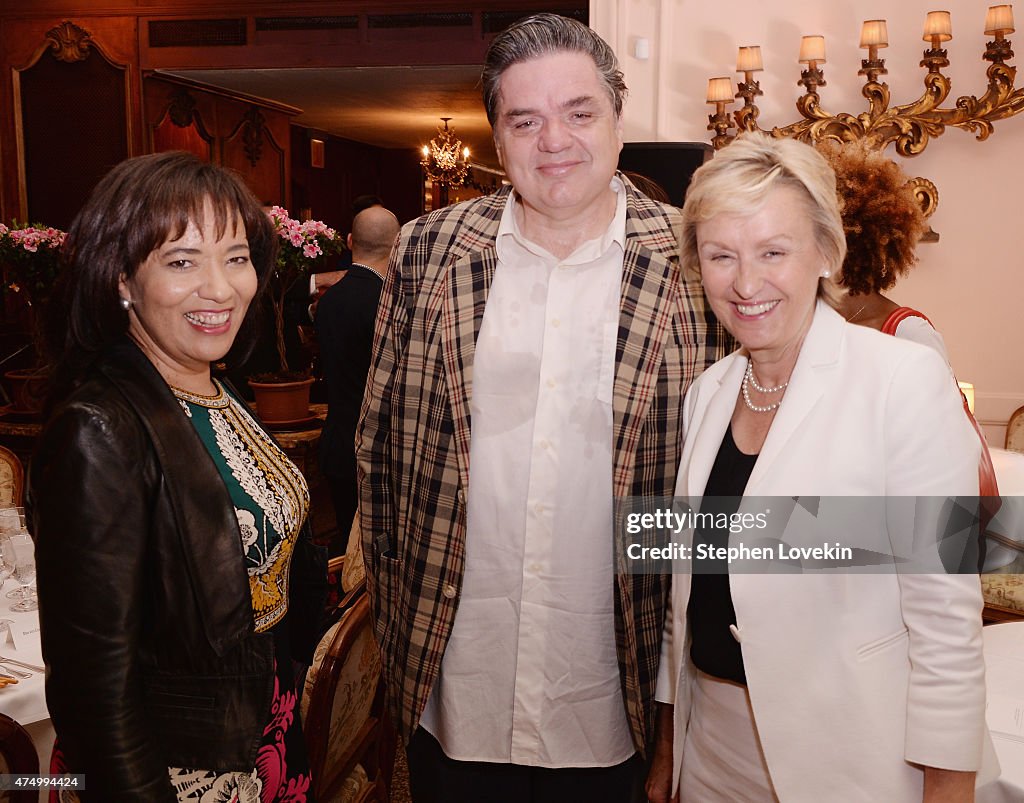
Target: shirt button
{"points": [[535, 568], [735, 632], [460, 495], [544, 444], [449, 591], [551, 383], [555, 322]]}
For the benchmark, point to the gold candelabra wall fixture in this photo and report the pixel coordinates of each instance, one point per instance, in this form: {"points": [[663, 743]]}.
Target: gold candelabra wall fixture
{"points": [[445, 161], [909, 126]]}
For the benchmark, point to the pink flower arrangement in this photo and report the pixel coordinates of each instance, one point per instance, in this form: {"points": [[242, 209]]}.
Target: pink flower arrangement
{"points": [[302, 241], [30, 257], [302, 244]]}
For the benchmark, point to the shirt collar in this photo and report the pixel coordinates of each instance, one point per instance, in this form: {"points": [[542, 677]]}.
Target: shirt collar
{"points": [[615, 234]]}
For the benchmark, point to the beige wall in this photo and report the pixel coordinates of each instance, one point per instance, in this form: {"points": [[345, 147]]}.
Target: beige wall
{"points": [[970, 283]]}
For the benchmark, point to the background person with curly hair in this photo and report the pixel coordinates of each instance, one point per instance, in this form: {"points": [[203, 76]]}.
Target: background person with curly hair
{"points": [[883, 223]]}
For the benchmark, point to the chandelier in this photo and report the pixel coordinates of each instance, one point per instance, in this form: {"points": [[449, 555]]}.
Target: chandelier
{"points": [[445, 160]]}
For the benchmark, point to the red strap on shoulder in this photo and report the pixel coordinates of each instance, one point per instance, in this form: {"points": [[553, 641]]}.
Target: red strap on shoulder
{"points": [[898, 316]]}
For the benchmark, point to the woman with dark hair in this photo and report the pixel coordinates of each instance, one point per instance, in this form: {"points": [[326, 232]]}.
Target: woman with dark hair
{"points": [[177, 580]]}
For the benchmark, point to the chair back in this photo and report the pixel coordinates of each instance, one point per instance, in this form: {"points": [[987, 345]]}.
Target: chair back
{"points": [[351, 742], [12, 479], [17, 757], [1015, 431]]}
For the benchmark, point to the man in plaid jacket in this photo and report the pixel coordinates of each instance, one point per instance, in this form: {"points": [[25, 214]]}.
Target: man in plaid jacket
{"points": [[530, 358]]}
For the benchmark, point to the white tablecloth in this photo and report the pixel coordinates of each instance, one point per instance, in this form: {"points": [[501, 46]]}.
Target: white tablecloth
{"points": [[25, 701], [1004, 682], [1006, 548], [1009, 468]]}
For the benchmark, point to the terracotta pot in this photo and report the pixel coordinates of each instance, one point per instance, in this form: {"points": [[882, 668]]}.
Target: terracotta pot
{"points": [[27, 389], [282, 402]]}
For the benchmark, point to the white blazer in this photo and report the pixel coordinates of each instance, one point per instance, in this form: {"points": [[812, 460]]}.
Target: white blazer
{"points": [[853, 678]]}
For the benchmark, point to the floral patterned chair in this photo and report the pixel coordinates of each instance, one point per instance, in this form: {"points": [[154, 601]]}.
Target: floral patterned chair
{"points": [[1015, 431], [1004, 598], [1004, 593], [351, 743], [12, 479]]}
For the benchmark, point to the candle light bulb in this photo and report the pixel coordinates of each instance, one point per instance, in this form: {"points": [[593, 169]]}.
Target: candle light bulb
{"points": [[812, 48], [999, 20]]}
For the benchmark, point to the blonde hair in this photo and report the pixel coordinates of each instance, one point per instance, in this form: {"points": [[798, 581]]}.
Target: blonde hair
{"points": [[739, 178]]}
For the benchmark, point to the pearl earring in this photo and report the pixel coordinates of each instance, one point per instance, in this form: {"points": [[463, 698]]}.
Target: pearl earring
{"points": [[826, 274], [126, 303]]}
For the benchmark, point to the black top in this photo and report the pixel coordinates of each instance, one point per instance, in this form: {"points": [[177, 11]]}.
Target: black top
{"points": [[713, 648], [344, 327]]}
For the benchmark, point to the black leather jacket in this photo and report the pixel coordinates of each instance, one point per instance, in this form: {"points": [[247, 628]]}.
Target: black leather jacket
{"points": [[145, 609]]}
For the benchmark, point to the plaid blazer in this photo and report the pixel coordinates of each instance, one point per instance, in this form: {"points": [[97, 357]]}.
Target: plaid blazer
{"points": [[412, 443]]}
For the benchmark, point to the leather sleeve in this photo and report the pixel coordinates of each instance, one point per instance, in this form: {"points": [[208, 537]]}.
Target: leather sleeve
{"points": [[93, 484]]}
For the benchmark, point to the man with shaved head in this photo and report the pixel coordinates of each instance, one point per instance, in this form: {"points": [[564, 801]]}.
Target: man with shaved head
{"points": [[344, 324]]}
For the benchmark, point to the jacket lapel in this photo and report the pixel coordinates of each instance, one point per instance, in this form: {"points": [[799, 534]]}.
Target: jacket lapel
{"points": [[465, 286], [708, 438], [812, 375], [206, 522], [649, 299]]}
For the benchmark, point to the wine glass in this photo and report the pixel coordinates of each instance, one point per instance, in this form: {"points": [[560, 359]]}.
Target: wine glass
{"points": [[18, 551]]}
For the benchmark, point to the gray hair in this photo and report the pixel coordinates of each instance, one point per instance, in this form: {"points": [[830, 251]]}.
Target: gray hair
{"points": [[740, 176], [541, 35]]}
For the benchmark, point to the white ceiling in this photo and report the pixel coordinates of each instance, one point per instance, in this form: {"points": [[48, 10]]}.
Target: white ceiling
{"points": [[392, 107]]}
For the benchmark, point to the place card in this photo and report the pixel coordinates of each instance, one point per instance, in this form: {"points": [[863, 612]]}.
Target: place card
{"points": [[1005, 716]]}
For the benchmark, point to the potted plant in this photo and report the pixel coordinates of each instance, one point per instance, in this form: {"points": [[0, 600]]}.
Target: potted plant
{"points": [[283, 396], [30, 259]]}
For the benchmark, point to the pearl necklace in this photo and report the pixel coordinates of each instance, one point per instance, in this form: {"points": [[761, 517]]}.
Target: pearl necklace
{"points": [[748, 379]]}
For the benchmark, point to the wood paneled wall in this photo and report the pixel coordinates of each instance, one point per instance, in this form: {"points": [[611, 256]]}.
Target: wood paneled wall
{"points": [[249, 135], [70, 106], [352, 169]]}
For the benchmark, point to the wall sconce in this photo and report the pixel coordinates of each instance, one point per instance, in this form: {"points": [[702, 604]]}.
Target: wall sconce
{"points": [[910, 126]]}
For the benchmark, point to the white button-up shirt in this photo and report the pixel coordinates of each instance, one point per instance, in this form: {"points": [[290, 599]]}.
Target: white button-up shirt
{"points": [[530, 674]]}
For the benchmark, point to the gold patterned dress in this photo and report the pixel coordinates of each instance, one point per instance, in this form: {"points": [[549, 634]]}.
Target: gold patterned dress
{"points": [[271, 500]]}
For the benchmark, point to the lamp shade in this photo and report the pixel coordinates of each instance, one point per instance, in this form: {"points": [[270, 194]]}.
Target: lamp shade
{"points": [[999, 19], [874, 32], [938, 25], [749, 59], [812, 48], [720, 90], [967, 389]]}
